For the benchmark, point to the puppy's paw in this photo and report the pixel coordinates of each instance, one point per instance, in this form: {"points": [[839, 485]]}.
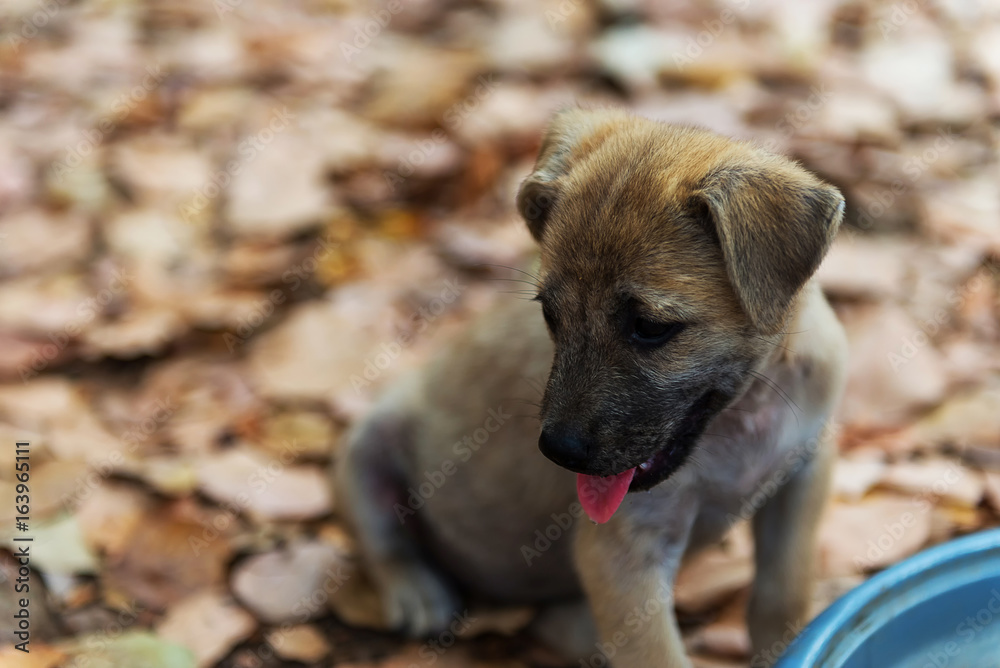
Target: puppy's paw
{"points": [[416, 600]]}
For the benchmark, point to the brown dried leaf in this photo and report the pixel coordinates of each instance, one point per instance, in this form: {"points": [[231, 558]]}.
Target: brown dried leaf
{"points": [[971, 418], [35, 240], [291, 584], [853, 477], [266, 487], [41, 656], [209, 624], [166, 559], [303, 643], [108, 513], [889, 375], [877, 532], [859, 267], [936, 478], [279, 190], [301, 434], [714, 575]]}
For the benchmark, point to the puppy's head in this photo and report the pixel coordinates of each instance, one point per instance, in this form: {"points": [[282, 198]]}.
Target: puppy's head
{"points": [[671, 259]]}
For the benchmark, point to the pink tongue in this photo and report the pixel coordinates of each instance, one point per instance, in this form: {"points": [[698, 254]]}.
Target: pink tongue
{"points": [[600, 497]]}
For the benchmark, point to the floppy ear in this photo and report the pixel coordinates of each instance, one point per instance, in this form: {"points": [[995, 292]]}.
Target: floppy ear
{"points": [[775, 223], [566, 132]]}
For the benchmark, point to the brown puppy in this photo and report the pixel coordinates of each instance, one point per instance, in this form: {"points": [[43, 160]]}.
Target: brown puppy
{"points": [[688, 357]]}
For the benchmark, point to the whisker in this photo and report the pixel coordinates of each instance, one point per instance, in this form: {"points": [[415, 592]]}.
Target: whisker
{"points": [[526, 295], [535, 384], [777, 390], [696, 462], [778, 345], [519, 400], [520, 271], [514, 280]]}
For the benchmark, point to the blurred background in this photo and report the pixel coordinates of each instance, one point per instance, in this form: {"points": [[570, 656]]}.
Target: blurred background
{"points": [[225, 225]]}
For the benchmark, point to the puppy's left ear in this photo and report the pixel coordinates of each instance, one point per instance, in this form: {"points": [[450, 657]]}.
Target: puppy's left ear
{"points": [[775, 222]]}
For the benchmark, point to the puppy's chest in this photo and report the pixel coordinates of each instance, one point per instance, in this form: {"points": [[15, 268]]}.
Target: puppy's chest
{"points": [[746, 450]]}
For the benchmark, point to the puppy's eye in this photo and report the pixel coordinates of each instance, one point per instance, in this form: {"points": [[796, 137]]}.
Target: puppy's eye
{"points": [[652, 332]]}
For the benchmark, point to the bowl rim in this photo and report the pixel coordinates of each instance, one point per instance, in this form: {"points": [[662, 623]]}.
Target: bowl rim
{"points": [[816, 641]]}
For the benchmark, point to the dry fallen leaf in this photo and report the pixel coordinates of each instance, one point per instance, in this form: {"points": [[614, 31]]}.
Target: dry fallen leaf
{"points": [[222, 223], [167, 559], [209, 624], [950, 481], [892, 372], [267, 487], [60, 547], [725, 636], [860, 267], [713, 576], [853, 477], [874, 533], [971, 418], [108, 514], [40, 656], [132, 648], [303, 643], [292, 584], [302, 434], [278, 190]]}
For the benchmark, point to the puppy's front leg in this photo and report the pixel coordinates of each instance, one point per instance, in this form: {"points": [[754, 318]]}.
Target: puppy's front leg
{"points": [[628, 576], [785, 550]]}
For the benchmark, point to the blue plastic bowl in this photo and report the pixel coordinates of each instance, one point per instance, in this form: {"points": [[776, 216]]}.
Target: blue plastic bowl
{"points": [[938, 609]]}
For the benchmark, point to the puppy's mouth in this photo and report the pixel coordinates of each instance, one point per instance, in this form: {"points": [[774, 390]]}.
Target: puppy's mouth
{"points": [[601, 496]]}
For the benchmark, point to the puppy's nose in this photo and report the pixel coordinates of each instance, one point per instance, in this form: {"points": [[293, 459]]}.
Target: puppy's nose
{"points": [[565, 446]]}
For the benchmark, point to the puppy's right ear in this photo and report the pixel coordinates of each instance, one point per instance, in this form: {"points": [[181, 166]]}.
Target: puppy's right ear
{"points": [[567, 131]]}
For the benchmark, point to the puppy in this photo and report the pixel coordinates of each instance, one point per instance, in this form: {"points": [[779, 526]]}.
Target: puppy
{"points": [[689, 366]]}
